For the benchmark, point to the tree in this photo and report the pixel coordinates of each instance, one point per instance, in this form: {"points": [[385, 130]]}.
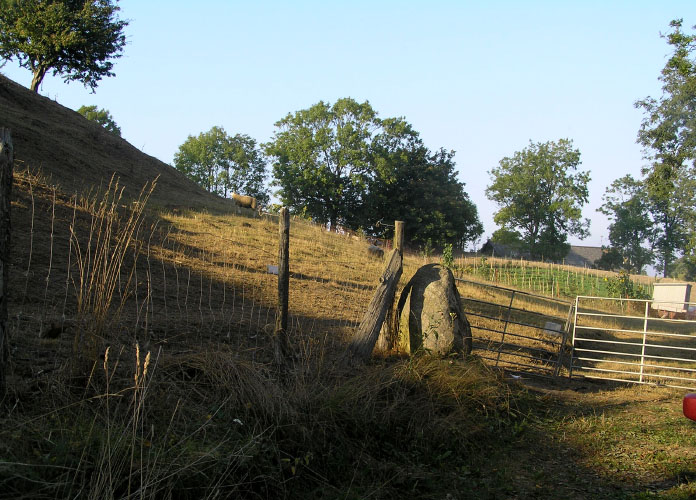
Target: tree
{"points": [[668, 136], [413, 184], [222, 164], [342, 165], [75, 38], [321, 160], [631, 232], [102, 117], [541, 196]]}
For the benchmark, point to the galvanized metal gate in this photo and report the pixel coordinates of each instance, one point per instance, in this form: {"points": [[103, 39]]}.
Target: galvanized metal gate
{"points": [[509, 331], [637, 341]]}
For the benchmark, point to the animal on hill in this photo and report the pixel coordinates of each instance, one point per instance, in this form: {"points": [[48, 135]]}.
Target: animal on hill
{"points": [[244, 201], [375, 251]]}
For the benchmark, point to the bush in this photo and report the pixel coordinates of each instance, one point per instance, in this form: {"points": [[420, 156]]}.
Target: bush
{"points": [[622, 287]]}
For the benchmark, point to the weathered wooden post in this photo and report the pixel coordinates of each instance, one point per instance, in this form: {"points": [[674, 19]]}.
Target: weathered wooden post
{"points": [[366, 336], [399, 236], [390, 329], [6, 160], [281, 326]]}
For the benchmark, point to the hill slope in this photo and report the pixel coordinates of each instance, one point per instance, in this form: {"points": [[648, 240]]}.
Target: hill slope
{"points": [[78, 154]]}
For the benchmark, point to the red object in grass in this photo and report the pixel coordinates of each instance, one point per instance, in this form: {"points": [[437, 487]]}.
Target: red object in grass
{"points": [[690, 406]]}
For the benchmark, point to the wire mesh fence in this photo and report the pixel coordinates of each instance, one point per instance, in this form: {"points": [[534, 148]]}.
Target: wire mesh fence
{"points": [[85, 264]]}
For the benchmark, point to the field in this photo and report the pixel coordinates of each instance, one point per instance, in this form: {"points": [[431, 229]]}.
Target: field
{"points": [[141, 347], [550, 279], [154, 377]]}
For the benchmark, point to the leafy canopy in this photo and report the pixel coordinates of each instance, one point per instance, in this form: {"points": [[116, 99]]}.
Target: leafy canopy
{"points": [[342, 165], [75, 38], [540, 195], [321, 160], [631, 231], [102, 117], [668, 136], [222, 164], [420, 187]]}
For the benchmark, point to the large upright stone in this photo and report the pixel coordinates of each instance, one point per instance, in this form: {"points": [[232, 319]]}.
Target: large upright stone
{"points": [[431, 314]]}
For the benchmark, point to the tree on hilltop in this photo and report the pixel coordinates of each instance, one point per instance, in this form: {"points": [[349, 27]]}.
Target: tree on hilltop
{"points": [[420, 187], [102, 117], [75, 38], [541, 195], [224, 164], [321, 160], [342, 165]]}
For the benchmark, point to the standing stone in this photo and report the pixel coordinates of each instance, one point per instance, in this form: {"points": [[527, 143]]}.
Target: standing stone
{"points": [[432, 319]]}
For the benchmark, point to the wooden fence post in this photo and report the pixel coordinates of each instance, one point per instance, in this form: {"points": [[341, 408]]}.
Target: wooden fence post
{"points": [[366, 336], [6, 161], [388, 335], [399, 236], [281, 326]]}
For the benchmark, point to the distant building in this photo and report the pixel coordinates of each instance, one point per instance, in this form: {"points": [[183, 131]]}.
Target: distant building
{"points": [[582, 256], [579, 256]]}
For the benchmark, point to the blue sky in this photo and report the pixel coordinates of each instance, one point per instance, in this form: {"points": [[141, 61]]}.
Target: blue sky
{"points": [[480, 78]]}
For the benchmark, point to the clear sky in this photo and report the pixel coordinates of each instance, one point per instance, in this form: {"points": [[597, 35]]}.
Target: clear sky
{"points": [[480, 78]]}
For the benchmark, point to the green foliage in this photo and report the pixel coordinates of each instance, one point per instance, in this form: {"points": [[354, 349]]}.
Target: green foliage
{"points": [[102, 117], [541, 196], [668, 136], [346, 167], [447, 257], [631, 231], [507, 237], [223, 164], [420, 187], [74, 38], [624, 288], [321, 160]]}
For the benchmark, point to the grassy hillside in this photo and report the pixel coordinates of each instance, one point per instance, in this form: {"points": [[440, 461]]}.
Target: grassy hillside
{"points": [[78, 154], [143, 369]]}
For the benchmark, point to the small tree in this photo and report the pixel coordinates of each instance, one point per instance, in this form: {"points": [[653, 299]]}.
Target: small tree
{"points": [[631, 231], [541, 195], [102, 117], [222, 164], [74, 38]]}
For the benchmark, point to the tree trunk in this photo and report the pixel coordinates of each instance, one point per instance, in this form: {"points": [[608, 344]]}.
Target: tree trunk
{"points": [[366, 336], [39, 74], [6, 160]]}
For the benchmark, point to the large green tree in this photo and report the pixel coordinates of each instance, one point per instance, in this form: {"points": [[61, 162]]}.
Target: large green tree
{"points": [[223, 164], [341, 165], [668, 136], [75, 38], [420, 187], [321, 160], [102, 117], [631, 231], [541, 193]]}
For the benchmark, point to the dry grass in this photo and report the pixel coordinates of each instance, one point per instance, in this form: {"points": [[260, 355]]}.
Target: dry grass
{"points": [[182, 399]]}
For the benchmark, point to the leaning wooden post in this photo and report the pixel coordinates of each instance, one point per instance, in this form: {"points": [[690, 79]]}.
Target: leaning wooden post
{"points": [[365, 338], [281, 327], [388, 335], [6, 160]]}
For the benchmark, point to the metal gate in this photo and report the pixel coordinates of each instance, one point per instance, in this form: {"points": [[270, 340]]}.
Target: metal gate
{"points": [[517, 330], [638, 341]]}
